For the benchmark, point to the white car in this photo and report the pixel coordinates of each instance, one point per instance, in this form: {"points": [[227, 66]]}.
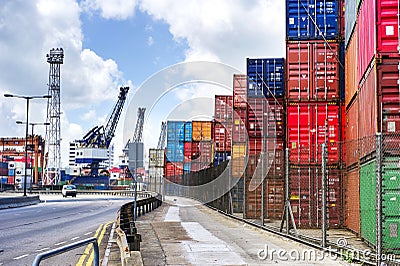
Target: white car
{"points": [[68, 190]]}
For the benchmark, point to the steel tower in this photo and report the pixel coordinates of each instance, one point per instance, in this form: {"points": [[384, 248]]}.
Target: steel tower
{"points": [[53, 133]]}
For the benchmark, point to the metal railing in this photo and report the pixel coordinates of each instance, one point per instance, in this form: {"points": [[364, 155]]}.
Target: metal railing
{"points": [[63, 249]]}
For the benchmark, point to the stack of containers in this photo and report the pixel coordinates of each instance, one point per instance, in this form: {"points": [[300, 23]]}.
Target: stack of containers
{"points": [[187, 147], [222, 132], [156, 169], [239, 138], [202, 145], [313, 106], [174, 155], [372, 105], [265, 168]]}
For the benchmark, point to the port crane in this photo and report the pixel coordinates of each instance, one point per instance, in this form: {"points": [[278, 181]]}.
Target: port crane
{"points": [[161, 139], [93, 147]]}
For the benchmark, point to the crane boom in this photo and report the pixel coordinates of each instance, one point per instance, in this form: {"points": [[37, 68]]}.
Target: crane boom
{"points": [[137, 137], [161, 139]]}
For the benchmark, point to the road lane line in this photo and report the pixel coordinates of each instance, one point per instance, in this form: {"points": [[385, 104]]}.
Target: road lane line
{"points": [[60, 243], [88, 233], [42, 249], [22, 256], [91, 258], [75, 238], [89, 247]]}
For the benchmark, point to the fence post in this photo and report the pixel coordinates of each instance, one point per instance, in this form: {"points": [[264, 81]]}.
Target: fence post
{"points": [[287, 188], [323, 169], [378, 198]]}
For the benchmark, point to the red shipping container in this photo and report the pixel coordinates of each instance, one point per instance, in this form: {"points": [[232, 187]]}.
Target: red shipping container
{"points": [[187, 151], [351, 63], [239, 132], [351, 185], [387, 26], [305, 184], [239, 91], [274, 198], [223, 109], [313, 70], [366, 35], [173, 169], [202, 155], [276, 119], [223, 137], [308, 126]]}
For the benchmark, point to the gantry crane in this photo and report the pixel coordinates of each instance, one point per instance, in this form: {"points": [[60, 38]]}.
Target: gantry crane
{"points": [[93, 147], [161, 139]]}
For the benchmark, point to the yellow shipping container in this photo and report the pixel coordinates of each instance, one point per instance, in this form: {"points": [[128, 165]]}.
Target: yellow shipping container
{"points": [[201, 130], [238, 150]]}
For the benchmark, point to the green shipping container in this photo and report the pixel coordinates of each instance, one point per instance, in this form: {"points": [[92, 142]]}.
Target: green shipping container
{"points": [[368, 201], [391, 174]]}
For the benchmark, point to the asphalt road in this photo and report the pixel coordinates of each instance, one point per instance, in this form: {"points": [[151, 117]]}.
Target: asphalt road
{"points": [[28, 231]]}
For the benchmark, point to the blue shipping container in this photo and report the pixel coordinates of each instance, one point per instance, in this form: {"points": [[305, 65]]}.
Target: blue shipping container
{"points": [[175, 151], [175, 130], [4, 165], [265, 77], [11, 172], [350, 18], [220, 157], [188, 131], [312, 19], [186, 167]]}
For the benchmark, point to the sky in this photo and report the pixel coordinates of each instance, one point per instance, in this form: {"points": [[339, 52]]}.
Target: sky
{"points": [[151, 46]]}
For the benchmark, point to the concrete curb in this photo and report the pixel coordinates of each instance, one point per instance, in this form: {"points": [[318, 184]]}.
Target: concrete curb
{"points": [[15, 202]]}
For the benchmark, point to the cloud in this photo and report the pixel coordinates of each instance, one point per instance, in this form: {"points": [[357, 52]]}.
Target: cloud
{"points": [[29, 29], [150, 41], [116, 9]]}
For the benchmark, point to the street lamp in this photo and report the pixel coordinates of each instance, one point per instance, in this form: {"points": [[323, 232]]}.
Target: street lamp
{"points": [[27, 98], [33, 151]]}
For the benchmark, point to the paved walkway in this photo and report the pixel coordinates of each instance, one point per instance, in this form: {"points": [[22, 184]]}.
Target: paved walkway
{"points": [[183, 233]]}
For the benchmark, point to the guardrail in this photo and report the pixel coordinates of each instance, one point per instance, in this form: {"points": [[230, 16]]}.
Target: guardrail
{"points": [[125, 193], [128, 239], [12, 202], [63, 249]]}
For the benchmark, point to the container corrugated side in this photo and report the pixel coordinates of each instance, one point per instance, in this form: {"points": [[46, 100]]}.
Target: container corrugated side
{"points": [[265, 77], [305, 196], [350, 18], [188, 131], [202, 130], [388, 95], [175, 151], [202, 155], [239, 131], [156, 157], [387, 26], [175, 130], [366, 35], [223, 109], [304, 18], [313, 71], [222, 137], [352, 200], [308, 126], [352, 153], [351, 64], [239, 91]]}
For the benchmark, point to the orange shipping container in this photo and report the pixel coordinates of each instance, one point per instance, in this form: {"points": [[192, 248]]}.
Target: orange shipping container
{"points": [[352, 133], [202, 130], [239, 150], [351, 74], [352, 200]]}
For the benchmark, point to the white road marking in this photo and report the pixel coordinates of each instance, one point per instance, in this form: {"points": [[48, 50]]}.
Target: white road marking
{"points": [[74, 238], [42, 249], [88, 233], [61, 243], [20, 257], [172, 215]]}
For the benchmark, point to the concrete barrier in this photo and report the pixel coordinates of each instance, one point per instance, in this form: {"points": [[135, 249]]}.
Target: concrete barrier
{"points": [[14, 202]]}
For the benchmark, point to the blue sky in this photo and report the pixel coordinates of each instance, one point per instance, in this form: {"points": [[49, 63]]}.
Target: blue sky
{"points": [[108, 44]]}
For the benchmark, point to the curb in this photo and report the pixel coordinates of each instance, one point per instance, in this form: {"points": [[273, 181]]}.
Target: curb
{"points": [[15, 202]]}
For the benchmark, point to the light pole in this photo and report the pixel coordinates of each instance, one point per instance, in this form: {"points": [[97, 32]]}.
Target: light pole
{"points": [[27, 98], [32, 143]]}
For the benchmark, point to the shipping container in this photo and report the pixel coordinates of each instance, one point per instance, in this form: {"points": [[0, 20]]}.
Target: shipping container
{"points": [[175, 151], [220, 157], [187, 151], [239, 150], [351, 72], [313, 70], [238, 166], [276, 159], [156, 157], [351, 143], [202, 155], [313, 19], [350, 18], [222, 137], [237, 193], [172, 170], [239, 91], [202, 130], [274, 199], [253, 195], [305, 184], [175, 130], [351, 184], [308, 126], [223, 109], [188, 132], [155, 182], [387, 26], [366, 36], [239, 131], [265, 77]]}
